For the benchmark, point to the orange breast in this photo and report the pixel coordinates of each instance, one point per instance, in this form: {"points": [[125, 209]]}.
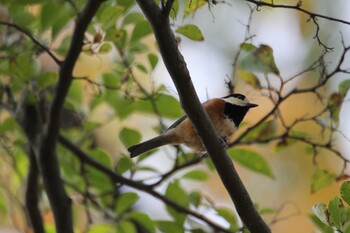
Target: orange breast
{"points": [[185, 133]]}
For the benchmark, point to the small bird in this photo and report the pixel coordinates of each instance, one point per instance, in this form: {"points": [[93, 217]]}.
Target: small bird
{"points": [[226, 114]]}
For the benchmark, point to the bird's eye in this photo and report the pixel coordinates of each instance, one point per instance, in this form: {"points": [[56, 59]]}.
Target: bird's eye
{"points": [[239, 96]]}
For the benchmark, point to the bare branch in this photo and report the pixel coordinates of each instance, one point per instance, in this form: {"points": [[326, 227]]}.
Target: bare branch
{"points": [[134, 184], [37, 42]]}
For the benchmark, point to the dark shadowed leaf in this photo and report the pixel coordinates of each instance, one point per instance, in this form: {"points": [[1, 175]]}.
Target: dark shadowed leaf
{"points": [[143, 219], [125, 202], [260, 60], [345, 191], [337, 213], [126, 227], [169, 227], [175, 193]]}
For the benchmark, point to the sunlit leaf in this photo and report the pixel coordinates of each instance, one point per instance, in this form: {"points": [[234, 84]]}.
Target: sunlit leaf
{"points": [[249, 78], [193, 5], [345, 191], [191, 31], [252, 160], [344, 87], [125, 202], [321, 211], [248, 47], [102, 227], [260, 60], [337, 213], [141, 30], [129, 137], [320, 179], [133, 18], [196, 175], [105, 48]]}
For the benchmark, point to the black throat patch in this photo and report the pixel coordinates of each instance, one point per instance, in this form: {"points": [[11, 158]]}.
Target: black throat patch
{"points": [[235, 113]]}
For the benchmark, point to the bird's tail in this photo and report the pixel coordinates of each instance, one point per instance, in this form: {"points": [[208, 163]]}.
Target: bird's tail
{"points": [[148, 145]]}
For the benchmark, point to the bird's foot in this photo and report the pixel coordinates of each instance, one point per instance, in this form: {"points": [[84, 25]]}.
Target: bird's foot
{"points": [[223, 140]]}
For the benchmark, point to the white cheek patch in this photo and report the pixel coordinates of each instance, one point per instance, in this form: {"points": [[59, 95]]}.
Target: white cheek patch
{"points": [[236, 101]]}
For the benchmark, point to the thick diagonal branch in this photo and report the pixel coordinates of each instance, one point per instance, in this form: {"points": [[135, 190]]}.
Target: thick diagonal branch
{"points": [[176, 66]]}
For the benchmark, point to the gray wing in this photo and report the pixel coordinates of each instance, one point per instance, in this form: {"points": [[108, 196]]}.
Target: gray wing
{"points": [[176, 123]]}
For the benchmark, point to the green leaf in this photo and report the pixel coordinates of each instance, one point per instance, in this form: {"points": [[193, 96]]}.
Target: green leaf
{"points": [[143, 219], [109, 15], [248, 47], [169, 227], [337, 213], [124, 164], [129, 137], [196, 175], [265, 130], [334, 104], [141, 30], [191, 31], [8, 125], [23, 67], [47, 79], [102, 227], [324, 228], [111, 80], [260, 60], [133, 18], [321, 211], [320, 179], [195, 198], [175, 193], [125, 202], [344, 87], [345, 191], [153, 60], [228, 215], [252, 160], [126, 227], [105, 48], [249, 78], [174, 9], [192, 6]]}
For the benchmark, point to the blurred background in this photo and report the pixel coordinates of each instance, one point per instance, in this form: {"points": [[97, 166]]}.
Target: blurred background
{"points": [[291, 36]]}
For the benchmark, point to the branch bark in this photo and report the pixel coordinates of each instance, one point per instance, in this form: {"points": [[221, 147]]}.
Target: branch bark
{"points": [[48, 161], [176, 66], [31, 195]]}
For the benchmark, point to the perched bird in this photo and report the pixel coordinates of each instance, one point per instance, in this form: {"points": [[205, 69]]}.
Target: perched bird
{"points": [[225, 113]]}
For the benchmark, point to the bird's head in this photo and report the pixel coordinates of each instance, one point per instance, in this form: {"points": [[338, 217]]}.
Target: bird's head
{"points": [[239, 100]]}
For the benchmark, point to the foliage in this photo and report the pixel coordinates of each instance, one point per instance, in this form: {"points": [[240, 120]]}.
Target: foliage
{"points": [[37, 30]]}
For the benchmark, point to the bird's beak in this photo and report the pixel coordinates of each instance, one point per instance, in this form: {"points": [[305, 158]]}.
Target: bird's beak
{"points": [[251, 105]]}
